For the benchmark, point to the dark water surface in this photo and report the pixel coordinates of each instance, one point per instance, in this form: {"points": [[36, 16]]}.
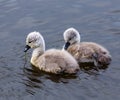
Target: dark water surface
{"points": [[97, 20]]}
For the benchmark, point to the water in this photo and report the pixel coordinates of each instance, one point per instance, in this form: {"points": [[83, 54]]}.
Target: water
{"points": [[97, 21]]}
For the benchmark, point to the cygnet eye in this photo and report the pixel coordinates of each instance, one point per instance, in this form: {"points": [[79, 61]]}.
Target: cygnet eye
{"points": [[70, 39], [30, 42]]}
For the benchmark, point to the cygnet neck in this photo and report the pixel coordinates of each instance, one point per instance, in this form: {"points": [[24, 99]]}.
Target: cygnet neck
{"points": [[36, 53]]}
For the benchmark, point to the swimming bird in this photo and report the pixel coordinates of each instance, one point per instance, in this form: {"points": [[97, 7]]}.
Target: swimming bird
{"points": [[85, 51], [53, 60]]}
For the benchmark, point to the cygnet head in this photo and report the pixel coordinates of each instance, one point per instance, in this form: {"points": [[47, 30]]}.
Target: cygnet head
{"points": [[71, 36], [34, 40]]}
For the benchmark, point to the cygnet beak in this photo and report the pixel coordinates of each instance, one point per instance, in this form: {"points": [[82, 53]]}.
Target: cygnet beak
{"points": [[67, 44], [27, 47]]}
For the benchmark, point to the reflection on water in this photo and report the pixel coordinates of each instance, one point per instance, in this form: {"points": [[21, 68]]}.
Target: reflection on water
{"points": [[32, 82], [97, 21], [35, 79]]}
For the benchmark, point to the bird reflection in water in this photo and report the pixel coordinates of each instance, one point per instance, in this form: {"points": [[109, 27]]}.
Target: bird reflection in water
{"points": [[91, 69], [35, 79]]}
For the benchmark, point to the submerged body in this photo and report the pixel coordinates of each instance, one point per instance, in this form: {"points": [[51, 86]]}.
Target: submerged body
{"points": [[85, 51], [53, 60], [56, 61], [88, 52]]}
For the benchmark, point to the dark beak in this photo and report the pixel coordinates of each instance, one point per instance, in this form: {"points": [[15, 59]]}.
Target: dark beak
{"points": [[67, 44], [27, 47]]}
